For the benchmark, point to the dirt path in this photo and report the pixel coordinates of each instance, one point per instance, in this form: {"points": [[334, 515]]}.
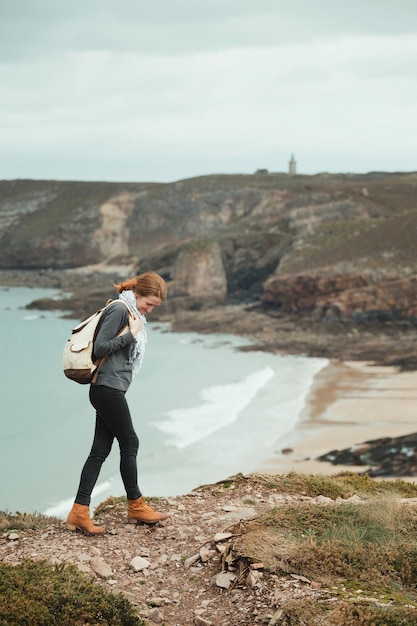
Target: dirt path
{"points": [[179, 572]]}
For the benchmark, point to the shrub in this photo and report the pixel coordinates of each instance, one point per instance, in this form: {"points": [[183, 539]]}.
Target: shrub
{"points": [[24, 521], [35, 593], [313, 613], [374, 541]]}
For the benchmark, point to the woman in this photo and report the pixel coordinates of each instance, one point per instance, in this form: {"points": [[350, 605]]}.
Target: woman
{"points": [[121, 339]]}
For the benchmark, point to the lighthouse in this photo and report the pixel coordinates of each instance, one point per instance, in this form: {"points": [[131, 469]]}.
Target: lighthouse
{"points": [[292, 166]]}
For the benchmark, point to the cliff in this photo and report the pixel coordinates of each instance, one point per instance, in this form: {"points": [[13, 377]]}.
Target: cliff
{"points": [[324, 249]]}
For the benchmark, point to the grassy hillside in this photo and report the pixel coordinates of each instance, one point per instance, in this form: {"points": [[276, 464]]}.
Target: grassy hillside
{"points": [[262, 225]]}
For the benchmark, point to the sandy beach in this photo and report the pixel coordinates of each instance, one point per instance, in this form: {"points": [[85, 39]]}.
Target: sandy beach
{"points": [[349, 403]]}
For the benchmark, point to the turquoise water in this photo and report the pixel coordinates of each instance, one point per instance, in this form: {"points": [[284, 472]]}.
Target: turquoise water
{"points": [[203, 410]]}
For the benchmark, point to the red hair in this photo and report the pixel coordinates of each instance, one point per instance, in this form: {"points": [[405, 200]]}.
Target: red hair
{"points": [[146, 284]]}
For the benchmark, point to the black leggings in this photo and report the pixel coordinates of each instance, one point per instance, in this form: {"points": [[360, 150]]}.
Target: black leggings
{"points": [[113, 420]]}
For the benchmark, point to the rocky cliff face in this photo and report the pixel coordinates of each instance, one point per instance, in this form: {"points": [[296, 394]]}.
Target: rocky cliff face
{"points": [[344, 295], [327, 245]]}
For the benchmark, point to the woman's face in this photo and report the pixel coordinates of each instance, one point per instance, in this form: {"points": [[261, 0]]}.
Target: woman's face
{"points": [[146, 304]]}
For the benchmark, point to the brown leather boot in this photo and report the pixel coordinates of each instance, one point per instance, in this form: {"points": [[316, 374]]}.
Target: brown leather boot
{"points": [[79, 519], [139, 511]]}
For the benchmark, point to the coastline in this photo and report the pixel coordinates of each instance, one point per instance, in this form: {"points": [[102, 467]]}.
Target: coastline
{"points": [[350, 402]]}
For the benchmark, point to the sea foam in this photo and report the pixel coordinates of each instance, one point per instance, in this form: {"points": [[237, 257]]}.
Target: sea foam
{"points": [[220, 407], [203, 410]]}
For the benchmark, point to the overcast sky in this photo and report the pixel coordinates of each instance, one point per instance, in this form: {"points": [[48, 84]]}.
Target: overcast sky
{"points": [[128, 90]]}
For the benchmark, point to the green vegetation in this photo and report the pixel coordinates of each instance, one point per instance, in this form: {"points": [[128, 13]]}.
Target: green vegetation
{"points": [[112, 502], [25, 521], [363, 556], [312, 613], [38, 594], [342, 485], [386, 244], [374, 541], [35, 593], [109, 503], [307, 225]]}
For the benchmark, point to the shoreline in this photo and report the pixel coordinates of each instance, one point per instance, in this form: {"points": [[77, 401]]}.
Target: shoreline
{"points": [[349, 402], [385, 342]]}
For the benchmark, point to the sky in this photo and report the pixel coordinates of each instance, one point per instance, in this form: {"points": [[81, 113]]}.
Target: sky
{"points": [[128, 90]]}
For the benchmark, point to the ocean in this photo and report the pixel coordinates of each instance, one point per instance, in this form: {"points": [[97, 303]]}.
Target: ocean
{"points": [[203, 410]]}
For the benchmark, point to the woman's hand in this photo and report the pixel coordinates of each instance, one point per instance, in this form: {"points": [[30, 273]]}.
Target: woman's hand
{"points": [[134, 324]]}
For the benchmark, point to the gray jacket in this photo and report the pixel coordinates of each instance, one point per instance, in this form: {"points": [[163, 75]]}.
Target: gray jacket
{"points": [[116, 371]]}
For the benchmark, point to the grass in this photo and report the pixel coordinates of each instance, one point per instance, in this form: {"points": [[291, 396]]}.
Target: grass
{"points": [[112, 502], [38, 594], [342, 485], [308, 613], [363, 556], [25, 521], [375, 541], [386, 243]]}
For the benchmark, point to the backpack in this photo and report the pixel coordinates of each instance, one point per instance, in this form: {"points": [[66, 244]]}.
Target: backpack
{"points": [[77, 357]]}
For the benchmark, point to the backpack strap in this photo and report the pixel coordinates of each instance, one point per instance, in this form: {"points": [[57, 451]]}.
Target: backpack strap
{"points": [[121, 332]]}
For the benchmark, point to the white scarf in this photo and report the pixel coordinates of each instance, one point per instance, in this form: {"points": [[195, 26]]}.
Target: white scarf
{"points": [[138, 351]]}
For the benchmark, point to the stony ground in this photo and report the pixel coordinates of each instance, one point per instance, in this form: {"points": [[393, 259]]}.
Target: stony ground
{"points": [[385, 343], [181, 571]]}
